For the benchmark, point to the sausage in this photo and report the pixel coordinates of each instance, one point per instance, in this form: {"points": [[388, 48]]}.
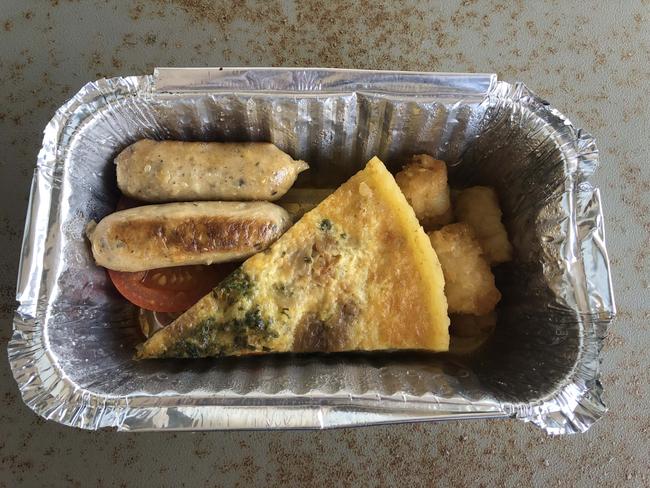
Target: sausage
{"points": [[176, 234], [165, 171]]}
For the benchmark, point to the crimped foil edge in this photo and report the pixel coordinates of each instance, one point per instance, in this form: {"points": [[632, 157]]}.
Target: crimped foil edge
{"points": [[48, 392]]}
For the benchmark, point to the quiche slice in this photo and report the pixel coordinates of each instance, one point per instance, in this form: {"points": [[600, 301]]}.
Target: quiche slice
{"points": [[355, 273]]}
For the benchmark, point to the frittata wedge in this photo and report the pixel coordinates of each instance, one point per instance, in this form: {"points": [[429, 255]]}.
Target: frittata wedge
{"points": [[355, 273]]}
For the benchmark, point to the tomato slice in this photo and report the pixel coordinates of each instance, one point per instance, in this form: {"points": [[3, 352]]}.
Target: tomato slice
{"points": [[169, 289]]}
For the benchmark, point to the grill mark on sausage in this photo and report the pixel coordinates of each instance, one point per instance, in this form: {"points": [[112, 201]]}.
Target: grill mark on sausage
{"points": [[197, 235]]}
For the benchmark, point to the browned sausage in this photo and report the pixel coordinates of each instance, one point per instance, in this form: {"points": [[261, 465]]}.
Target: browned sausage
{"points": [[172, 171], [176, 234]]}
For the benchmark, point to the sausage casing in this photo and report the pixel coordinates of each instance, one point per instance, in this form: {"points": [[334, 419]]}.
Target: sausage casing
{"points": [[176, 234], [170, 171]]}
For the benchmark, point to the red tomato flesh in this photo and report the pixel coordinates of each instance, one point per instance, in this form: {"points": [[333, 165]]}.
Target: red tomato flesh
{"points": [[167, 289]]}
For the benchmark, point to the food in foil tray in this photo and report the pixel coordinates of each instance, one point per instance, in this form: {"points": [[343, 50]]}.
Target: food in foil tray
{"points": [[478, 207], [164, 171], [176, 234], [354, 272], [469, 282], [424, 184]]}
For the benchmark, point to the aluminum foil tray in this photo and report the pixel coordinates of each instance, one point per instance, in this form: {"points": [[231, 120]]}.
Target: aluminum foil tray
{"points": [[74, 337]]}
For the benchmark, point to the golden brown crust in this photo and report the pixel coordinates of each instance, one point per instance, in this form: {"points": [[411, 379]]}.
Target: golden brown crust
{"points": [[314, 334], [355, 273], [194, 237], [177, 234], [166, 171], [424, 184], [469, 282], [478, 207]]}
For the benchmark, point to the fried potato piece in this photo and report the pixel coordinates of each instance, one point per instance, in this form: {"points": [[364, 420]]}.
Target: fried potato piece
{"points": [[478, 207], [424, 184], [469, 282], [464, 325]]}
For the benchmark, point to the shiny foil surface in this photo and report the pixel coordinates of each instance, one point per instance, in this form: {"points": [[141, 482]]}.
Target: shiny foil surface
{"points": [[74, 337]]}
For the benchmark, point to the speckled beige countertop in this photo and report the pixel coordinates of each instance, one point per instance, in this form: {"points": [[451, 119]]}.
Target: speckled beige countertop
{"points": [[590, 59]]}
